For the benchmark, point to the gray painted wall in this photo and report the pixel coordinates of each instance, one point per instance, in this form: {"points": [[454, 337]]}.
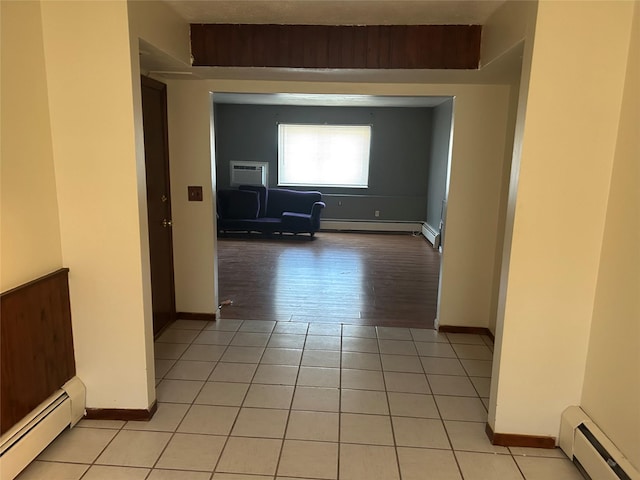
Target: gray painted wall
{"points": [[398, 165], [437, 174]]}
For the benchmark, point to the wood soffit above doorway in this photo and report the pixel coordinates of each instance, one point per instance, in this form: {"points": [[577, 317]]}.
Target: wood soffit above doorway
{"points": [[336, 47]]}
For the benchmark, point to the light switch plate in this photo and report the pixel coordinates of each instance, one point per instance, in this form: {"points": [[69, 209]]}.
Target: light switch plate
{"points": [[195, 193]]}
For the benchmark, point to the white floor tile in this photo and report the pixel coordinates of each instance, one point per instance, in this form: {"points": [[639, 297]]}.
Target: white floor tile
{"points": [[204, 353], [190, 370], [394, 333], [53, 471], [260, 422], [358, 344], [359, 462], [442, 366], [321, 358], [177, 475], [322, 342], [364, 401], [148, 447], [362, 379], [435, 349], [366, 429], [451, 385], [332, 329], [304, 425], [286, 341], [242, 354], [209, 419], [406, 382], [281, 356], [233, 372], [166, 419], [269, 396], [192, 452], [461, 408], [316, 399], [214, 337], [276, 374], [259, 326], [474, 352], [420, 432], [477, 368], [291, 327], [401, 363], [488, 466], [309, 459], [428, 335], [225, 325], [361, 361], [358, 331], [78, 445], [471, 436], [397, 347], [174, 335], [414, 462], [169, 351], [250, 455], [540, 468], [319, 376], [178, 391], [249, 339], [222, 393], [412, 405], [99, 472]]}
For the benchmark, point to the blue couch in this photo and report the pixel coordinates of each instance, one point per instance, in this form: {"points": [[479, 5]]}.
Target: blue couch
{"points": [[269, 210]]}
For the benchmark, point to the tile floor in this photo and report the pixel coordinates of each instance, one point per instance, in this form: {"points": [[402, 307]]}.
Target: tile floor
{"points": [[258, 400]]}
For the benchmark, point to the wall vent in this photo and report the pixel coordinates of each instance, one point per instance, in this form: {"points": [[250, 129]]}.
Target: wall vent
{"points": [[249, 173]]}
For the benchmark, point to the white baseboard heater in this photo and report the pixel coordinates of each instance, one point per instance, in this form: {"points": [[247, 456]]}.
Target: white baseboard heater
{"points": [[587, 445], [20, 445]]}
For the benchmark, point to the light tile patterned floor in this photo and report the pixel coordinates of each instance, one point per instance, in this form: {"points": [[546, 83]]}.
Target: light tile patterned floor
{"points": [[257, 400]]}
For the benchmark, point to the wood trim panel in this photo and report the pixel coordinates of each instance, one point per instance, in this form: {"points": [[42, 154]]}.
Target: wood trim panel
{"points": [[121, 413], [210, 317], [517, 440], [337, 46], [470, 330], [36, 346]]}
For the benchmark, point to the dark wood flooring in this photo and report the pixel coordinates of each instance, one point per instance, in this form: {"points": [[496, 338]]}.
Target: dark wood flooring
{"points": [[352, 278]]}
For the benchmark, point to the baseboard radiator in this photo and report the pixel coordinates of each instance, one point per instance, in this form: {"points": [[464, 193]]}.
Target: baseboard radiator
{"points": [[24, 441], [589, 447]]}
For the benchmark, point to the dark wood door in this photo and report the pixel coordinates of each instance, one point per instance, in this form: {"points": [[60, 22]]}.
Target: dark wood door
{"points": [[156, 148]]}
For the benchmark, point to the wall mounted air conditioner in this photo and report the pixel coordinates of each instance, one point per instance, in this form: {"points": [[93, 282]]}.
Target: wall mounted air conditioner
{"points": [[587, 445], [249, 173], [25, 440]]}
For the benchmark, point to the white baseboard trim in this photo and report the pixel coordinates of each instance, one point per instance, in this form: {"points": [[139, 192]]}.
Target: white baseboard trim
{"points": [[365, 225]]}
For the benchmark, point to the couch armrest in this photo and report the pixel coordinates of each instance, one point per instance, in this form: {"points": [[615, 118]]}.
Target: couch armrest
{"points": [[316, 210]]}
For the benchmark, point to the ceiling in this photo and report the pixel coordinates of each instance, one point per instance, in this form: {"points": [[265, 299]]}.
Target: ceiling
{"points": [[333, 100], [337, 12]]}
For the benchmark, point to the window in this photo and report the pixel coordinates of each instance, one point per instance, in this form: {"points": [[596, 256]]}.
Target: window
{"points": [[324, 155]]}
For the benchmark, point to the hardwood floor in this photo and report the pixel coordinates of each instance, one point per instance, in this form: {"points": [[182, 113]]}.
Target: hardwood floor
{"points": [[352, 278]]}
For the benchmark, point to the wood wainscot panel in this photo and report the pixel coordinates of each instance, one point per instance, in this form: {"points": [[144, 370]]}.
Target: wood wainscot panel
{"points": [[36, 345], [337, 46]]}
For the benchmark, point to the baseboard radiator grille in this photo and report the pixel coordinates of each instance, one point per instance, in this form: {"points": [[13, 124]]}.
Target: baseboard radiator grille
{"points": [[20, 445], [589, 447]]}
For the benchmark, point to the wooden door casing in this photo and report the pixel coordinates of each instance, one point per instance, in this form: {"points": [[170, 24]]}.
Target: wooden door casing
{"points": [[156, 146]]}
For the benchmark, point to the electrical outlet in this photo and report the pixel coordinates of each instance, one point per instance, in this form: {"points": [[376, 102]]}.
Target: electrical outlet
{"points": [[377, 214], [195, 193]]}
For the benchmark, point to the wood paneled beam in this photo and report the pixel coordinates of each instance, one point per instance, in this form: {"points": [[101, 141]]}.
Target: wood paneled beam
{"points": [[325, 46]]}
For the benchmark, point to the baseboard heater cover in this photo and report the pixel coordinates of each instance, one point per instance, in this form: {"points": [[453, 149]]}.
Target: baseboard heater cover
{"points": [[370, 226], [584, 443], [20, 445]]}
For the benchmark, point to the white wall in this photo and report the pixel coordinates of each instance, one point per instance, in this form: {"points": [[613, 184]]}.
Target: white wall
{"points": [[189, 110], [611, 393], [30, 233], [573, 76], [104, 242]]}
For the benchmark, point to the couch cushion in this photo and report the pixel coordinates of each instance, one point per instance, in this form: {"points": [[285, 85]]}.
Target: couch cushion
{"points": [[283, 200], [296, 222], [239, 204], [262, 196]]}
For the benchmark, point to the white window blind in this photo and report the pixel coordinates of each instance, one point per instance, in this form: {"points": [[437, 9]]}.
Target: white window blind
{"points": [[324, 155]]}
